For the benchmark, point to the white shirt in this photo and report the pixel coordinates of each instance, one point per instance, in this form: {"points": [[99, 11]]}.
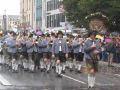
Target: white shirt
{"points": [[80, 48], [60, 44]]}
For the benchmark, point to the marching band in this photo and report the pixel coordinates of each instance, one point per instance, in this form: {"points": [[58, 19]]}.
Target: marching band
{"points": [[32, 53]]}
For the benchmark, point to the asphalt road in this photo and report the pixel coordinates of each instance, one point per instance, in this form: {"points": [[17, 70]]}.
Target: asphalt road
{"points": [[108, 78]]}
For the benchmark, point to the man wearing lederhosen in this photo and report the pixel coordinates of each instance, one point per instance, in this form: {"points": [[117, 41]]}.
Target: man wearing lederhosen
{"points": [[60, 51], [53, 60], [6, 54], [76, 47], [92, 50], [30, 52], [23, 52], [36, 48], [49, 53], [13, 51], [70, 55], [40, 54], [44, 44]]}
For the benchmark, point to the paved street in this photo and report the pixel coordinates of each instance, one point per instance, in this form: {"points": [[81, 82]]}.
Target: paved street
{"points": [[107, 79]]}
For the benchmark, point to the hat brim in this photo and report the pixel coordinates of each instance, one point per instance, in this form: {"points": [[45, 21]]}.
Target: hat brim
{"points": [[59, 33]]}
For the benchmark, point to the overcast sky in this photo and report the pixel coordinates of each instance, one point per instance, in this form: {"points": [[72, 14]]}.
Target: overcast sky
{"points": [[12, 7]]}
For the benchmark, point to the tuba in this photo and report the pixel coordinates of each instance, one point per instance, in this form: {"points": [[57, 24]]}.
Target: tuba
{"points": [[19, 46]]}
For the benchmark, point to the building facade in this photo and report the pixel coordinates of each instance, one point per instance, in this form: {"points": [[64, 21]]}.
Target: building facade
{"points": [[1, 22], [7, 21], [26, 13], [53, 15], [39, 13], [34, 14], [11, 20]]}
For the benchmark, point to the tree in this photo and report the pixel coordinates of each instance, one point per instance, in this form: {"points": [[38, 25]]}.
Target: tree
{"points": [[77, 10], [73, 13]]}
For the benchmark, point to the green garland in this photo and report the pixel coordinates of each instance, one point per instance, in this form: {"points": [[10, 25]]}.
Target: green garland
{"points": [[98, 15]]}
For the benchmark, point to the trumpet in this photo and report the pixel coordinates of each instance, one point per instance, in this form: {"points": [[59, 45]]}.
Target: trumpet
{"points": [[67, 41]]}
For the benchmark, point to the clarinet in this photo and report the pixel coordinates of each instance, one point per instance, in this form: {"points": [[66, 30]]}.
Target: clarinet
{"points": [[94, 56]]}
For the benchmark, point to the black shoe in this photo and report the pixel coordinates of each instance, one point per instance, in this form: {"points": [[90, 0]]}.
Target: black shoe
{"points": [[41, 69], [79, 71], [25, 69], [16, 71], [48, 71], [32, 71], [63, 71], [71, 70], [13, 71], [53, 67], [60, 76], [67, 67], [91, 88]]}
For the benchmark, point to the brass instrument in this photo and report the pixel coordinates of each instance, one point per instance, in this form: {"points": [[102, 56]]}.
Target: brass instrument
{"points": [[28, 36], [51, 42], [19, 46], [36, 40], [67, 41]]}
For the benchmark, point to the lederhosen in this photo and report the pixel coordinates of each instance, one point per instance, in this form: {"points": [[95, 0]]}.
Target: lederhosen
{"points": [[60, 56], [92, 63]]}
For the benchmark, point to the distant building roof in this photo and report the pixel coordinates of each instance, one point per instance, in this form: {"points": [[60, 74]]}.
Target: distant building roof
{"points": [[13, 16]]}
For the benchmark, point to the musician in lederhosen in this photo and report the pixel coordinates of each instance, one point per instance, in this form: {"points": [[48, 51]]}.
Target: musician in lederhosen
{"points": [[60, 52], [49, 53], [6, 54], [92, 51], [40, 53], [30, 52], [76, 47], [70, 54], [44, 44], [36, 48], [12, 45], [53, 60], [66, 63], [23, 52]]}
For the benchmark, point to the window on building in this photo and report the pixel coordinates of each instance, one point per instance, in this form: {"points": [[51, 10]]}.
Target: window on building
{"points": [[48, 22], [48, 6], [51, 4]]}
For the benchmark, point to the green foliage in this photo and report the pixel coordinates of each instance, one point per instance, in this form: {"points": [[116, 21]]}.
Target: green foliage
{"points": [[77, 10]]}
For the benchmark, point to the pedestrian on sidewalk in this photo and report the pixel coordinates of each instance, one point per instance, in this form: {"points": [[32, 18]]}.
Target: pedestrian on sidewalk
{"points": [[110, 52], [92, 51]]}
